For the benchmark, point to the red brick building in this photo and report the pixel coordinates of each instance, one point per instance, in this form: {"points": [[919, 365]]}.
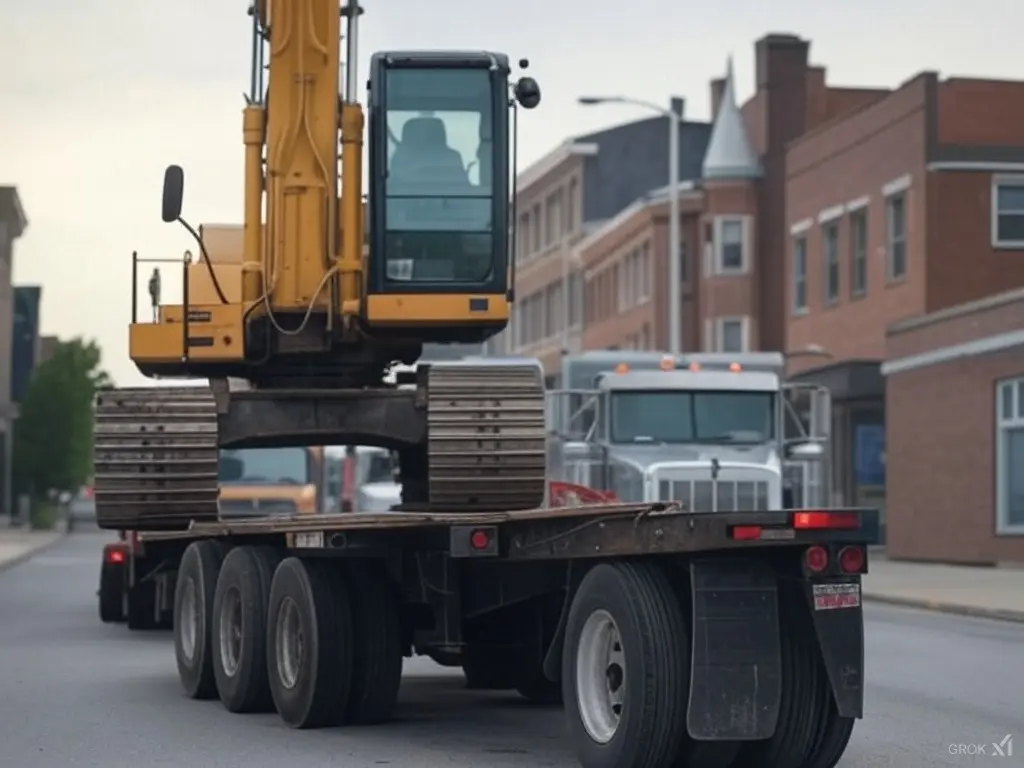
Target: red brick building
{"points": [[819, 222], [955, 423]]}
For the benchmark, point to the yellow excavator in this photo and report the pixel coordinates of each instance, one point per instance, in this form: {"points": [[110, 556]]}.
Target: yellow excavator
{"points": [[297, 339]]}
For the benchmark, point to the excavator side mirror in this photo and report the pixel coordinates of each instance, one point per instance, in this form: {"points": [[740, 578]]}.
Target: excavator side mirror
{"points": [[527, 92], [174, 189]]}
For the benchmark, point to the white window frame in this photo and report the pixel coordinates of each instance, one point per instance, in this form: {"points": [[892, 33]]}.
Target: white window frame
{"points": [[800, 275], [890, 271], [644, 277], [998, 182], [719, 245], [830, 261], [858, 214], [719, 333], [1004, 426]]}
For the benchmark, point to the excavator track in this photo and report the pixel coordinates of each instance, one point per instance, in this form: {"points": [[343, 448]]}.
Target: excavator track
{"points": [[487, 449], [156, 458]]}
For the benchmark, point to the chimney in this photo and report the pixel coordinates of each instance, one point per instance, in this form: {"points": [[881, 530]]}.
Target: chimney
{"points": [[678, 106]]}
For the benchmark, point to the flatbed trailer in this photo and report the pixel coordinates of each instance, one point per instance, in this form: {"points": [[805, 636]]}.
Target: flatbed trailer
{"points": [[673, 638]]}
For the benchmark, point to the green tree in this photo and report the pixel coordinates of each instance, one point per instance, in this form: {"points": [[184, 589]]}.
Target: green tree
{"points": [[53, 436]]}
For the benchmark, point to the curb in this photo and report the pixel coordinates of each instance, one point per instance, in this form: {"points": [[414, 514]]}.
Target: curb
{"points": [[29, 554], [953, 609]]}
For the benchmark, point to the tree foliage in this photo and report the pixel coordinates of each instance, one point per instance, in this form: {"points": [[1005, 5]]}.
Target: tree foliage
{"points": [[53, 436]]}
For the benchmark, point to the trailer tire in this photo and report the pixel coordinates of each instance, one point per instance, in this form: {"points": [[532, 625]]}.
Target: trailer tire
{"points": [[802, 693], [193, 617], [834, 737], [625, 627], [239, 629], [310, 684], [111, 594], [376, 647]]}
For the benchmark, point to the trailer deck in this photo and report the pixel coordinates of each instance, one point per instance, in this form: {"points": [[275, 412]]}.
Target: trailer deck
{"points": [[596, 530]]}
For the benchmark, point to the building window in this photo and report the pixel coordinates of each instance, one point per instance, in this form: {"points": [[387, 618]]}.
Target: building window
{"points": [[800, 274], [644, 274], [1010, 457], [536, 233], [622, 298], [731, 257], [684, 265], [830, 259], [571, 207], [1008, 212], [859, 252], [896, 235], [730, 334]]}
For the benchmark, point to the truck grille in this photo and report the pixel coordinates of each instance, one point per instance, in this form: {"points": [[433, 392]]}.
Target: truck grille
{"points": [[257, 508], [723, 496]]}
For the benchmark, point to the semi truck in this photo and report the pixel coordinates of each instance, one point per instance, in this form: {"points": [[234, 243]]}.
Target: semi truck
{"points": [[674, 633]]}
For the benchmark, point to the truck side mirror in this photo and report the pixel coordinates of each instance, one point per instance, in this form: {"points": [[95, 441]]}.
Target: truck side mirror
{"points": [[174, 189], [806, 451]]}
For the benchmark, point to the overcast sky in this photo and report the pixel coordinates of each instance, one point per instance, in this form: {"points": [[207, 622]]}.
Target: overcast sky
{"points": [[98, 96]]}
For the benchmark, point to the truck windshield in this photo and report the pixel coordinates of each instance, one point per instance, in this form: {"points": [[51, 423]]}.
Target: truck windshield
{"points": [[264, 466], [439, 196], [692, 417]]}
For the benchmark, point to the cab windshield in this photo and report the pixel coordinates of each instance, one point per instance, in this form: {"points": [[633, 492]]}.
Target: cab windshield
{"points": [[692, 417], [264, 466], [439, 195]]}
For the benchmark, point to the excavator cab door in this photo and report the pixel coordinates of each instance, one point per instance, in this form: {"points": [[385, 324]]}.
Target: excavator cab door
{"points": [[438, 195]]}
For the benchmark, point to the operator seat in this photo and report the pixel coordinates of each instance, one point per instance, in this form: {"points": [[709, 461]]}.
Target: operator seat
{"points": [[424, 159]]}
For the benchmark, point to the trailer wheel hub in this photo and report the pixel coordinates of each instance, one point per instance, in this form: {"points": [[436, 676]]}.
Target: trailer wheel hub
{"points": [[189, 627], [231, 631], [290, 643], [600, 676]]}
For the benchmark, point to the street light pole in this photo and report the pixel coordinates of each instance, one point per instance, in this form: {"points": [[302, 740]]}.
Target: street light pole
{"points": [[675, 278]]}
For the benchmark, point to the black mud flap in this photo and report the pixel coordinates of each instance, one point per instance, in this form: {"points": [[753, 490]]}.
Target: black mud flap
{"points": [[736, 678], [835, 607]]}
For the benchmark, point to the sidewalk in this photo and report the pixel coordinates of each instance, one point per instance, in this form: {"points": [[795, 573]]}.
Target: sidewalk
{"points": [[19, 544], [986, 592]]}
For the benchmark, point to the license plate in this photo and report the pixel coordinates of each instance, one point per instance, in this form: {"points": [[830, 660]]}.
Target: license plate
{"points": [[828, 597]]}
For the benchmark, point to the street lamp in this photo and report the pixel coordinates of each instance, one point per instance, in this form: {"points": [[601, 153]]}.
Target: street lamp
{"points": [[674, 236]]}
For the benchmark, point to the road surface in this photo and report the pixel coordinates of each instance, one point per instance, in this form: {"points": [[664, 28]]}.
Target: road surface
{"points": [[78, 693]]}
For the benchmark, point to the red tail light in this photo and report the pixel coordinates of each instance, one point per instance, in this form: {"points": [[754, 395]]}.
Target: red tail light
{"points": [[816, 559], [851, 559], [115, 555], [818, 521]]}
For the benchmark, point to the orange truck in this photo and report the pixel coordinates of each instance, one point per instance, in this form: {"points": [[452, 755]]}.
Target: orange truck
{"points": [[254, 483]]}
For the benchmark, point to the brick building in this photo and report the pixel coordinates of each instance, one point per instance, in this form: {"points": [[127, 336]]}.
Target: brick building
{"points": [[12, 225], [580, 185], [906, 207], [955, 424]]}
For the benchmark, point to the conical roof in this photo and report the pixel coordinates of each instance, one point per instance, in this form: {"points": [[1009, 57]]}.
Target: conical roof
{"points": [[729, 154]]}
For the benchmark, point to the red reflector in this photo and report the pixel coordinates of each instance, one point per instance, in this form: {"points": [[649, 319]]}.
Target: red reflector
{"points": [[851, 559], [746, 532], [479, 539], [816, 559], [826, 520], [115, 556]]}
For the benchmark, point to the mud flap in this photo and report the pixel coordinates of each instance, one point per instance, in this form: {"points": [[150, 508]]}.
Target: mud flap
{"points": [[835, 608], [736, 675]]}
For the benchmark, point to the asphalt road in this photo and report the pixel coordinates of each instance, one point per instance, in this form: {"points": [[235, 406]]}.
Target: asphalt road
{"points": [[78, 693]]}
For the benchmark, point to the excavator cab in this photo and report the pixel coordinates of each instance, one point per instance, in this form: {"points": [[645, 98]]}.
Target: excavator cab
{"points": [[441, 139]]}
